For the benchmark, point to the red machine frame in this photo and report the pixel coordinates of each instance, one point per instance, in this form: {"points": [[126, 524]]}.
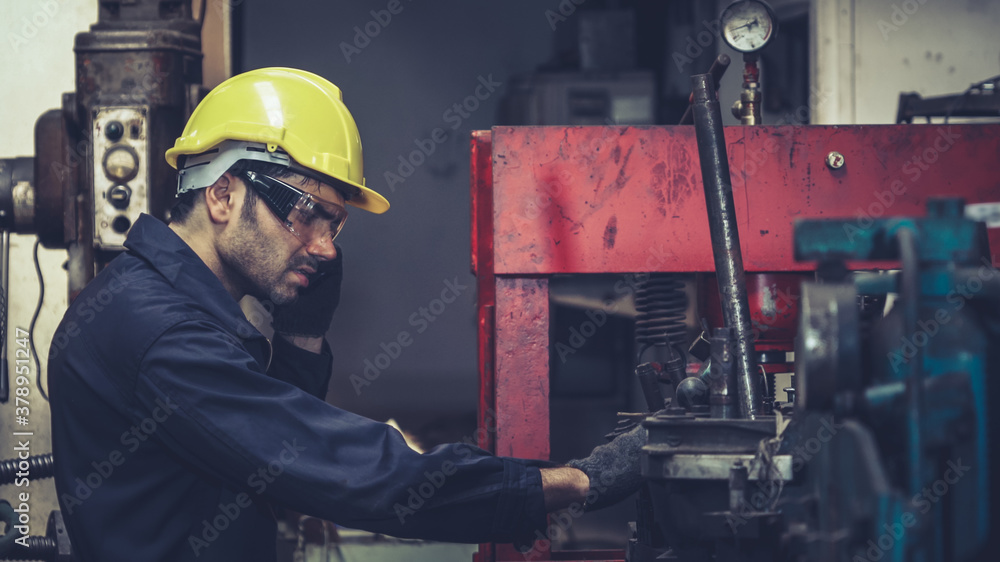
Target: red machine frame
{"points": [[554, 200]]}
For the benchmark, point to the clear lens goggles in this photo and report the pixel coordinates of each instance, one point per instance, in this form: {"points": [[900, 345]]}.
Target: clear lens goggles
{"points": [[308, 218]]}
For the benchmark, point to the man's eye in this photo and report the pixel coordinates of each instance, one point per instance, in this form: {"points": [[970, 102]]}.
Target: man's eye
{"points": [[306, 218]]}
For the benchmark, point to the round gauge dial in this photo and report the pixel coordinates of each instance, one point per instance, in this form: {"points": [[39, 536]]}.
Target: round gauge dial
{"points": [[747, 25], [121, 163]]}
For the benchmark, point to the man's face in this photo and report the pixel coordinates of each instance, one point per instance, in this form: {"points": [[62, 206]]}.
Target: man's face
{"points": [[267, 260]]}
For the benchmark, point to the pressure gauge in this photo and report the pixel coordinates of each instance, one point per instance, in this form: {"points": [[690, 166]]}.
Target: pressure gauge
{"points": [[747, 25]]}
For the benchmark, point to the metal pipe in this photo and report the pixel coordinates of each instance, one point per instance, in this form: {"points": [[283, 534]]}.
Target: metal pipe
{"points": [[722, 376], [719, 66], [725, 239], [914, 381]]}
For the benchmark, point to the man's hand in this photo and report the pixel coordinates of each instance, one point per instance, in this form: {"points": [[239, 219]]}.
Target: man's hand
{"points": [[613, 469], [305, 320]]}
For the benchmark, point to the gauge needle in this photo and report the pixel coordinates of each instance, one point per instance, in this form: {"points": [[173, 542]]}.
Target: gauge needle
{"points": [[748, 24]]}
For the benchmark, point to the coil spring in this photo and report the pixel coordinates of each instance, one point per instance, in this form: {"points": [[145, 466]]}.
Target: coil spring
{"points": [[662, 305], [39, 466], [39, 548]]}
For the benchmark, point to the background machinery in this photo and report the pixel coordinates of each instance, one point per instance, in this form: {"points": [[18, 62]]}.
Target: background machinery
{"points": [[849, 248], [97, 165]]}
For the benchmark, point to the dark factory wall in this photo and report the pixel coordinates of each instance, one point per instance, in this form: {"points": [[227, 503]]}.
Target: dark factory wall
{"points": [[402, 74]]}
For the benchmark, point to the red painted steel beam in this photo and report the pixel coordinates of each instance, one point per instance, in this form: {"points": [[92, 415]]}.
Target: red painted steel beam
{"points": [[481, 172], [482, 268], [623, 199], [522, 367]]}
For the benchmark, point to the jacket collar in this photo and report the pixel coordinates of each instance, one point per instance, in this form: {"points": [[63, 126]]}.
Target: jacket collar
{"points": [[154, 242]]}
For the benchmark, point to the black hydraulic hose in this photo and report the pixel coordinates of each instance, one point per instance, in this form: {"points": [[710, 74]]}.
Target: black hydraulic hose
{"points": [[4, 275], [725, 239]]}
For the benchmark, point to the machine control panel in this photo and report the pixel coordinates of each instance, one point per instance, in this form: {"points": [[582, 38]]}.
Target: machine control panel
{"points": [[121, 172]]}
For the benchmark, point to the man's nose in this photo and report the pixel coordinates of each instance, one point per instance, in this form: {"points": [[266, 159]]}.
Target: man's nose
{"points": [[322, 247]]}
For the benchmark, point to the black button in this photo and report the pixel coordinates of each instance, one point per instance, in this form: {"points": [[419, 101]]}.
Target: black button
{"points": [[114, 130], [121, 224]]}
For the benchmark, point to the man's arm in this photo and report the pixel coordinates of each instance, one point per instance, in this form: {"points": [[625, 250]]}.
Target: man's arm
{"points": [[236, 423], [563, 486]]}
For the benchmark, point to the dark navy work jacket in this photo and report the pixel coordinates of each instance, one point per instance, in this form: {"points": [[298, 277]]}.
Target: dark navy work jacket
{"points": [[175, 431]]}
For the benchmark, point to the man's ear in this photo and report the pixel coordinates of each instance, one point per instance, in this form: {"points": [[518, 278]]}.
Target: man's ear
{"points": [[223, 198]]}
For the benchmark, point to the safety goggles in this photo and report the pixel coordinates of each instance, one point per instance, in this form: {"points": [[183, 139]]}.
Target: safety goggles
{"points": [[308, 218]]}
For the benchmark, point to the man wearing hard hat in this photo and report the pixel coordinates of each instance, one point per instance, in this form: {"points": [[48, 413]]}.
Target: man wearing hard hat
{"points": [[176, 425]]}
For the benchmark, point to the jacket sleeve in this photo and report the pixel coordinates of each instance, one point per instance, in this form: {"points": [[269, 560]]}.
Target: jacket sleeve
{"points": [[270, 438], [304, 369]]}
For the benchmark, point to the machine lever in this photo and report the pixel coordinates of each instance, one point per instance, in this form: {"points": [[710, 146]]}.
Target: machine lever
{"points": [[718, 68], [726, 239]]}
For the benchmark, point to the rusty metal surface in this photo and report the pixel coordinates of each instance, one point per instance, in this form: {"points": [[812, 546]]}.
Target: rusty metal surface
{"points": [[57, 165], [622, 199], [627, 199], [522, 367], [482, 267], [593, 199], [481, 182], [774, 307]]}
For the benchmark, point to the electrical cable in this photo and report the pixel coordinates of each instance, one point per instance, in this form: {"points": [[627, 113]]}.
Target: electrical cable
{"points": [[34, 318], [4, 277]]}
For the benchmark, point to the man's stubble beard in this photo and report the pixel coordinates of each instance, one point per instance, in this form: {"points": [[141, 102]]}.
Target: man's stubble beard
{"points": [[249, 264]]}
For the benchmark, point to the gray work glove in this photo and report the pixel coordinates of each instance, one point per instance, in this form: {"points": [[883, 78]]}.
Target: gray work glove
{"points": [[613, 469], [310, 314]]}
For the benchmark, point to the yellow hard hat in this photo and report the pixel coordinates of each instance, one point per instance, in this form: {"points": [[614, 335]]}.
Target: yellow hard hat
{"points": [[287, 113]]}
